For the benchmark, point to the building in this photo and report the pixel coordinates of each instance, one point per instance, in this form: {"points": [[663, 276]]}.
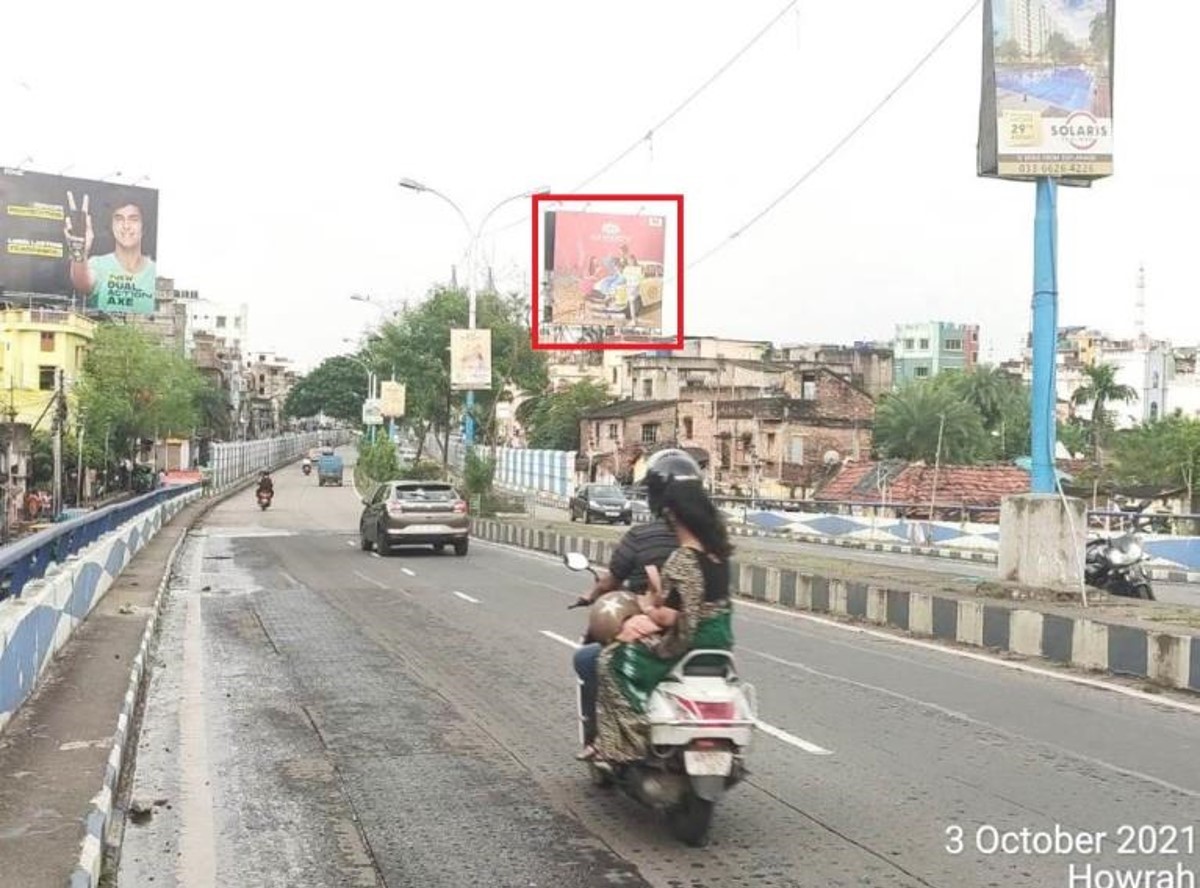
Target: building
{"points": [[1183, 384], [268, 379], [869, 365], [38, 345], [924, 350], [168, 323], [1029, 26]]}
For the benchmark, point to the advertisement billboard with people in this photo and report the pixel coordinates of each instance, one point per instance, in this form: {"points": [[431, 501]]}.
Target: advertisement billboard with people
{"points": [[97, 241], [1047, 104], [605, 270]]}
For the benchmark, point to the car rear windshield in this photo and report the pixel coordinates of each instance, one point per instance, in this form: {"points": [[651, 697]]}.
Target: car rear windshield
{"points": [[427, 493], [611, 492]]}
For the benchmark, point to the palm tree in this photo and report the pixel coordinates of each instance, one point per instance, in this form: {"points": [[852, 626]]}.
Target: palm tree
{"points": [[1100, 390], [908, 424]]}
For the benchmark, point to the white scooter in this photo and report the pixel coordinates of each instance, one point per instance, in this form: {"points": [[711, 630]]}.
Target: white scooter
{"points": [[702, 718]]}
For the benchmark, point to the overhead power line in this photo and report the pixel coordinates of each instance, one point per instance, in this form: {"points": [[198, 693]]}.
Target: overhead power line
{"points": [[649, 135], [843, 141]]}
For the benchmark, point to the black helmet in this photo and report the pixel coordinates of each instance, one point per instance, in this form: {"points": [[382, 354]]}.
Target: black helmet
{"points": [[664, 467]]}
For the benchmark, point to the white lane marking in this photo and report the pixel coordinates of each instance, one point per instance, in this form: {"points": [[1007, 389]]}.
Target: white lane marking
{"points": [[554, 636], [771, 730], [351, 543], [981, 658], [792, 739], [466, 597], [197, 844], [371, 580], [971, 720], [376, 555], [291, 579], [407, 572]]}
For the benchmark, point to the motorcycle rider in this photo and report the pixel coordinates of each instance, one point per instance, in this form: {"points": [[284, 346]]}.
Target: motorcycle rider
{"points": [[266, 485], [643, 546]]}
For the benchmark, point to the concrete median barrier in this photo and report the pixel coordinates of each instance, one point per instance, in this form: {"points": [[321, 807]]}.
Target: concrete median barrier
{"points": [[1112, 639]]}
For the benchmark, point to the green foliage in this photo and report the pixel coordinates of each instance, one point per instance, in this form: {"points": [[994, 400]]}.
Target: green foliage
{"points": [[478, 474], [553, 419], [1100, 390], [1166, 452], [336, 388], [377, 460], [134, 388], [416, 347], [423, 471]]}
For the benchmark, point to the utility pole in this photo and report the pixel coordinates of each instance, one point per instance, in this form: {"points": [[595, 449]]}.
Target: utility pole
{"points": [[60, 416], [79, 469]]}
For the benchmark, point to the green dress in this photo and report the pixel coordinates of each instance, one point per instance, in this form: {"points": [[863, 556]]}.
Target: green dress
{"points": [[628, 673]]}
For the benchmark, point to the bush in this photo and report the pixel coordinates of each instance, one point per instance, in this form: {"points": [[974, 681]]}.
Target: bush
{"points": [[377, 461], [423, 471], [478, 474]]}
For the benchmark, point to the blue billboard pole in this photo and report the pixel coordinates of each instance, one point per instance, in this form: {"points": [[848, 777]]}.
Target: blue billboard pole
{"points": [[1043, 421]]}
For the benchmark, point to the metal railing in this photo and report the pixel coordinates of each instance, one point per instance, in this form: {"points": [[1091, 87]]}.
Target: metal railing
{"points": [[29, 559]]}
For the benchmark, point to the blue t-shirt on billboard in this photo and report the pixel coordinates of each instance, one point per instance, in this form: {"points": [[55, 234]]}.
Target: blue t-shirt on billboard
{"points": [[117, 290]]}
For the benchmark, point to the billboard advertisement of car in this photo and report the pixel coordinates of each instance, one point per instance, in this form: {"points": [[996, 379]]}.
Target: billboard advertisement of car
{"points": [[1047, 103], [605, 270], [77, 237]]}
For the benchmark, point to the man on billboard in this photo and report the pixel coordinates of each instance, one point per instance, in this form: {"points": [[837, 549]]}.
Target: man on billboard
{"points": [[123, 280]]}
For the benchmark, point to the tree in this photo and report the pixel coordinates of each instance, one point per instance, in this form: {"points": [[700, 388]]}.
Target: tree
{"points": [[336, 388], [1166, 452], [416, 347], [1060, 49], [908, 424], [1099, 36], [1002, 402], [215, 410], [1009, 51], [1100, 390], [132, 388], [553, 419]]}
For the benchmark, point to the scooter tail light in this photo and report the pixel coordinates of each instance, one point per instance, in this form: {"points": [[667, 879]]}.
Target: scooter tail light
{"points": [[701, 711]]}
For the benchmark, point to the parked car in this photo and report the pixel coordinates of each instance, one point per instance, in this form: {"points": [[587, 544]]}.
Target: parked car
{"points": [[414, 513], [601, 502]]}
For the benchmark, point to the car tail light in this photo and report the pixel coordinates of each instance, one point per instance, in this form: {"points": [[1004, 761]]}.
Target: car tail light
{"points": [[460, 508], [395, 508]]}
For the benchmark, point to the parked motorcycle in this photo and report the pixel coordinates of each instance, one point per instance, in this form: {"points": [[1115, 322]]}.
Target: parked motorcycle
{"points": [[264, 499], [702, 718], [1115, 564]]}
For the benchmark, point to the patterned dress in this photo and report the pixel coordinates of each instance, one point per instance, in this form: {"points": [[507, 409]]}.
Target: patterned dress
{"points": [[698, 588]]}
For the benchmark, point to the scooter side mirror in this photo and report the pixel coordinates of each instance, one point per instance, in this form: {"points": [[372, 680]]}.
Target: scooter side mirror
{"points": [[576, 561]]}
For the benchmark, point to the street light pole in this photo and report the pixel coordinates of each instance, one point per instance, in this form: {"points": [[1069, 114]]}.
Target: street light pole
{"points": [[473, 235]]}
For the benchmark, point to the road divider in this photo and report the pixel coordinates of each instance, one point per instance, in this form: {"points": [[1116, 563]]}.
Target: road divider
{"points": [[1118, 639]]}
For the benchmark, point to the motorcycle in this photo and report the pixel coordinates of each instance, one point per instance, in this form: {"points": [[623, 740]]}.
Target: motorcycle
{"points": [[306, 468], [702, 718], [264, 499], [1115, 564]]}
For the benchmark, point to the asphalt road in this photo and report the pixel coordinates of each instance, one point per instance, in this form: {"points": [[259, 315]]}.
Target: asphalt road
{"points": [[322, 716], [1168, 593]]}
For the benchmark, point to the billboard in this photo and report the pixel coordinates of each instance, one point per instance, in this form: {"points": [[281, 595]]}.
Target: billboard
{"points": [[470, 360], [1047, 102], [372, 414], [392, 399], [64, 236], [605, 270]]}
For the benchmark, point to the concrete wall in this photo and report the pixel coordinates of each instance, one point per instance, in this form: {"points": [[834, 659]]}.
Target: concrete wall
{"points": [[1169, 657]]}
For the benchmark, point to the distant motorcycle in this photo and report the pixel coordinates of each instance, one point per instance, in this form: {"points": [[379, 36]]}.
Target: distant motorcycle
{"points": [[306, 468], [1116, 564], [264, 499]]}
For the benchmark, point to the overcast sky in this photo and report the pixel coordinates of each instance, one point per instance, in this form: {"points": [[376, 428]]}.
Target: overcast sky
{"points": [[276, 134]]}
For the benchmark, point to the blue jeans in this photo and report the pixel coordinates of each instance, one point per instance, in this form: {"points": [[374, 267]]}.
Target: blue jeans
{"points": [[587, 661]]}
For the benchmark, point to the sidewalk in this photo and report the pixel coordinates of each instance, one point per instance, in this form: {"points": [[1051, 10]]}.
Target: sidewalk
{"points": [[54, 754]]}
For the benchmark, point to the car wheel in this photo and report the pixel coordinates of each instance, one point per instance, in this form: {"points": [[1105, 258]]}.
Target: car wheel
{"points": [[439, 548], [382, 546], [587, 517], [628, 521], [571, 512], [460, 548], [363, 542]]}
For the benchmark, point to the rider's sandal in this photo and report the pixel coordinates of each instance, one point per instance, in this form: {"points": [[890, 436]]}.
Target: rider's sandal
{"points": [[587, 755]]}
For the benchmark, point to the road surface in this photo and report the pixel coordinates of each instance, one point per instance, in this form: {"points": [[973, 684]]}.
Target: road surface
{"points": [[321, 716]]}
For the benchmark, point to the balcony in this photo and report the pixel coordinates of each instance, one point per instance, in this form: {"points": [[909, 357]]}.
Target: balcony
{"points": [[49, 319]]}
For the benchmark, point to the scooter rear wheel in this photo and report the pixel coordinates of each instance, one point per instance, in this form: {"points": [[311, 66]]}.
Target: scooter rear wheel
{"points": [[1143, 591], [690, 821]]}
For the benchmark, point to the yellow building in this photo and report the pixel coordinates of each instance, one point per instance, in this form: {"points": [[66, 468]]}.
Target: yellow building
{"points": [[35, 344]]}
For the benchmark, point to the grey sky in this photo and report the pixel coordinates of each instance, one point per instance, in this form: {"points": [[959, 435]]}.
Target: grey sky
{"points": [[276, 136]]}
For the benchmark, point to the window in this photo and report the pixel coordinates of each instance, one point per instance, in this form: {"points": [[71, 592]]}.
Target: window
{"points": [[650, 433], [47, 378], [954, 345], [47, 342], [612, 431], [614, 370], [1153, 411], [908, 344], [770, 443], [687, 428], [808, 386], [648, 388], [1154, 380], [796, 450], [921, 372], [924, 344], [220, 322]]}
